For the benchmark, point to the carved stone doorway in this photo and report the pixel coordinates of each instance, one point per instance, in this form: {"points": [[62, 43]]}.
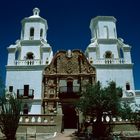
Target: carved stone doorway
{"points": [[70, 117]]}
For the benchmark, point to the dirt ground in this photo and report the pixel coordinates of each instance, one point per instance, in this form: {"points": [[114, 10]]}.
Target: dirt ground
{"points": [[67, 135]]}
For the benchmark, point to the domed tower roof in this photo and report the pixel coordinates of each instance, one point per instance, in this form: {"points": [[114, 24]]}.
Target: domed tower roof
{"points": [[34, 27], [35, 18]]}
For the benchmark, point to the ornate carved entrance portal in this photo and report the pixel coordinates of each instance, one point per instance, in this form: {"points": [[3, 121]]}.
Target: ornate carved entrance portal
{"points": [[63, 81]]}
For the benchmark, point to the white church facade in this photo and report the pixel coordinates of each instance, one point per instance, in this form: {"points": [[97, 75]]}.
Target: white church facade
{"points": [[107, 57]]}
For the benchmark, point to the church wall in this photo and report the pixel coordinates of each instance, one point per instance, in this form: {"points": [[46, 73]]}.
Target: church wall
{"points": [[120, 76], [127, 56], [35, 109], [47, 57], [18, 79], [34, 49], [110, 27], [92, 55], [108, 47], [11, 58]]}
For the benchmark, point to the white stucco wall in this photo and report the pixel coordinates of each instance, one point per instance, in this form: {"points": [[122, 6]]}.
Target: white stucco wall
{"points": [[111, 29], [35, 109], [108, 47], [127, 56], [47, 56], [34, 49], [92, 55], [11, 58], [120, 76], [18, 79]]}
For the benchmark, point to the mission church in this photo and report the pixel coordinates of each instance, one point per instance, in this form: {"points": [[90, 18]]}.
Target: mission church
{"points": [[49, 83]]}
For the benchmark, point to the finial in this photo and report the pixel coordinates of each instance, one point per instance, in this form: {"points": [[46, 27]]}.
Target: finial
{"points": [[69, 53], [36, 11]]}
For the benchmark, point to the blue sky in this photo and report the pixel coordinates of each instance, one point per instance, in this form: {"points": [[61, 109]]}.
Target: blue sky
{"points": [[68, 22]]}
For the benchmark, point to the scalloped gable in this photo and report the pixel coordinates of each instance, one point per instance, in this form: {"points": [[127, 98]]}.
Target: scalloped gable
{"points": [[69, 62]]}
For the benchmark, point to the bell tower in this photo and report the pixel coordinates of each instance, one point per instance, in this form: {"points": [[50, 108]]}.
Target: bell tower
{"points": [[26, 61], [103, 38], [109, 54], [34, 38]]}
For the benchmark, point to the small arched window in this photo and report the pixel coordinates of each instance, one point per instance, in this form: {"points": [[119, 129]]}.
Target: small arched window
{"points": [[31, 32], [127, 86], [106, 32], [115, 34], [29, 55], [108, 54], [41, 32]]}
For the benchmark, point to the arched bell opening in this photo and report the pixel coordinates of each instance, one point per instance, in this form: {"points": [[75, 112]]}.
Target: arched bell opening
{"points": [[29, 55]]}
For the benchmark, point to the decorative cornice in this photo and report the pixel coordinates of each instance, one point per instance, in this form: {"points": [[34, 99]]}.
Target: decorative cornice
{"points": [[95, 20], [37, 19], [113, 66], [107, 41], [91, 48], [26, 68], [30, 42], [11, 50], [46, 49], [126, 48], [45, 46]]}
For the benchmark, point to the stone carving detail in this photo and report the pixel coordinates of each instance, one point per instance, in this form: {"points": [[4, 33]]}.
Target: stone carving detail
{"points": [[70, 62], [69, 67], [50, 70]]}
